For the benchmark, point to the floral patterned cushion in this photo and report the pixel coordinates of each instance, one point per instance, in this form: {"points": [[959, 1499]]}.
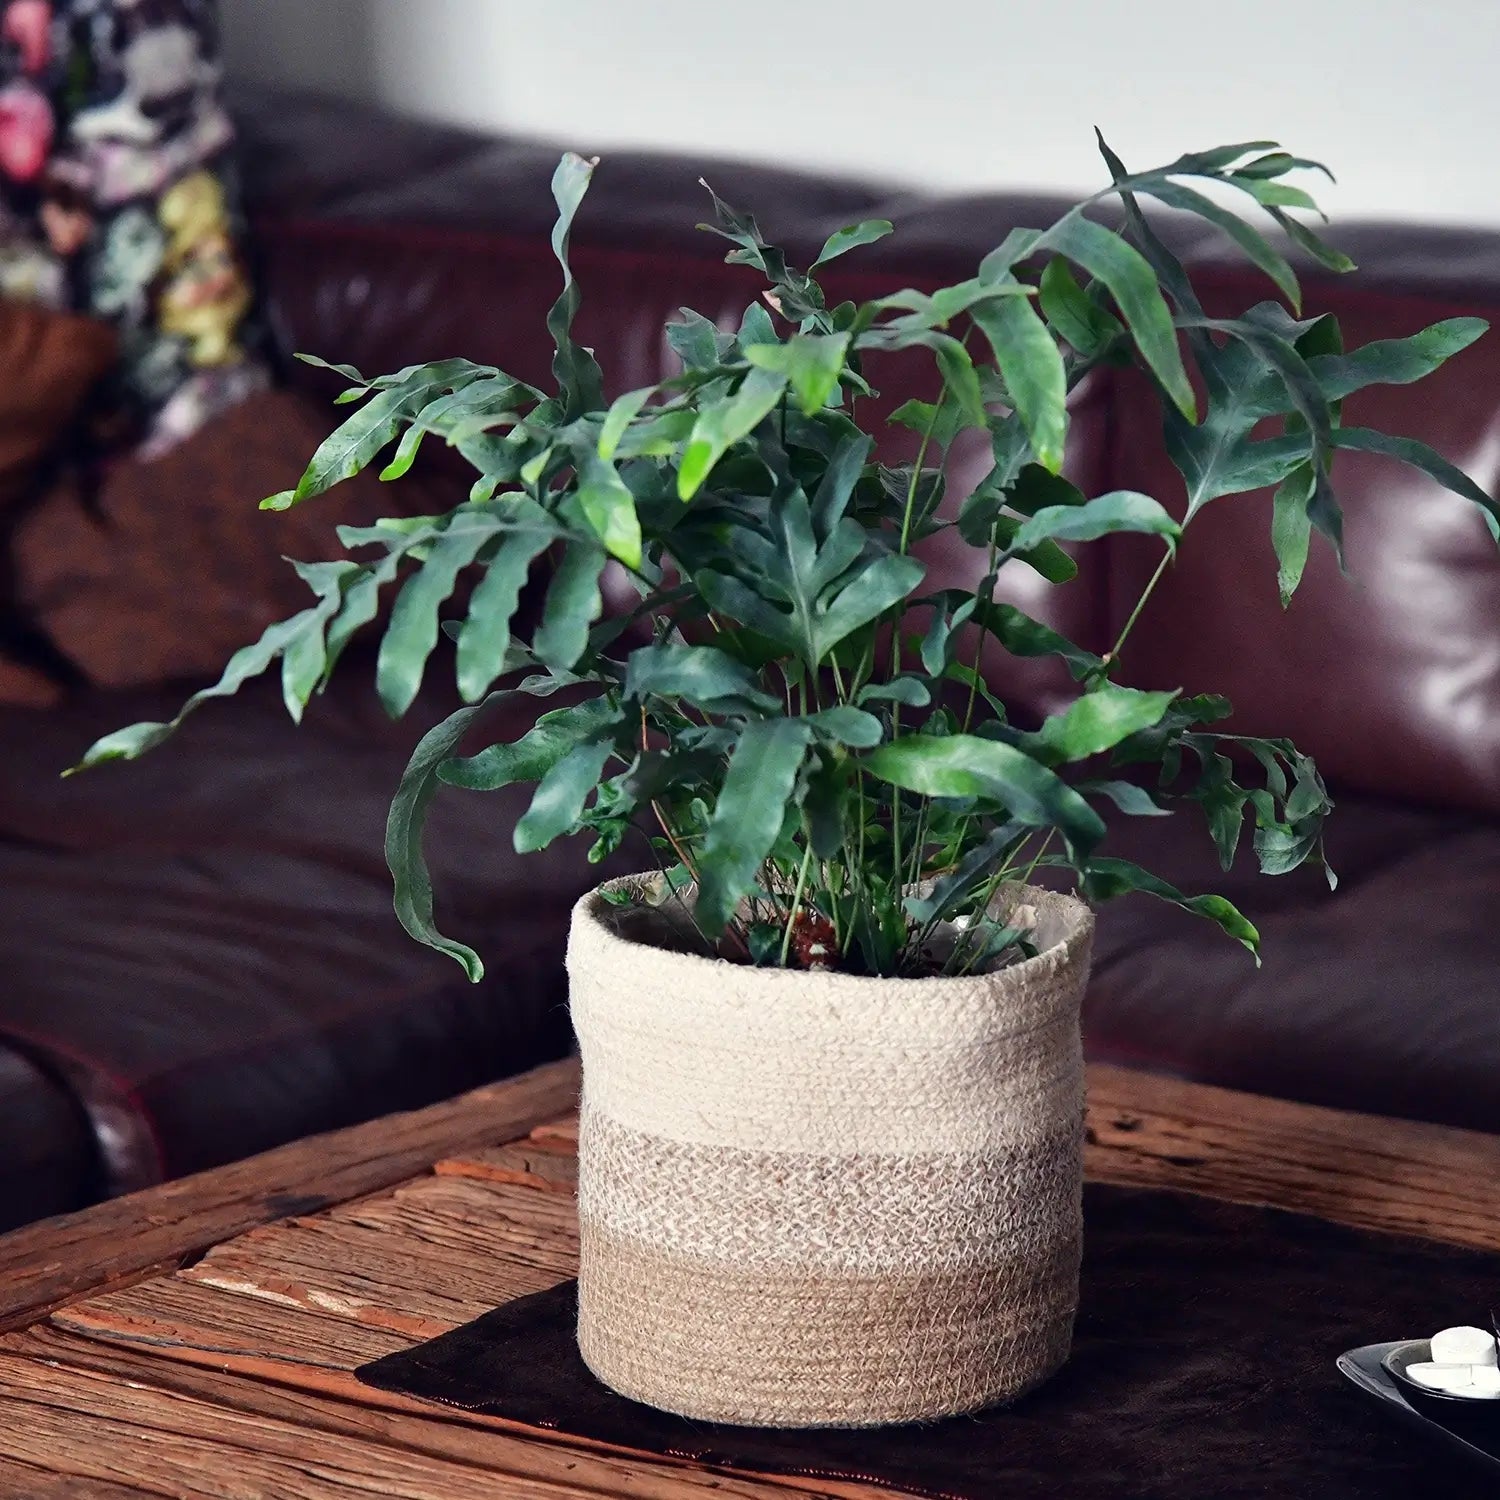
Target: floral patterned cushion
{"points": [[118, 196]]}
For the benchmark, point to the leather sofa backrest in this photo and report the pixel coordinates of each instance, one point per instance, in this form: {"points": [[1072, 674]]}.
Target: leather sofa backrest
{"points": [[1391, 678]]}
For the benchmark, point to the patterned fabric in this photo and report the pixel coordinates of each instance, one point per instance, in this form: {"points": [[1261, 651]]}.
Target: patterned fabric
{"points": [[118, 196]]}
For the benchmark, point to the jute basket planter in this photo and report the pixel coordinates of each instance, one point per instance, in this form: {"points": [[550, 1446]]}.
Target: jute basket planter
{"points": [[812, 1199]]}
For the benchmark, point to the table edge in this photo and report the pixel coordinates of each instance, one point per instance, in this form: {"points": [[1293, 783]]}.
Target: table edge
{"points": [[57, 1260]]}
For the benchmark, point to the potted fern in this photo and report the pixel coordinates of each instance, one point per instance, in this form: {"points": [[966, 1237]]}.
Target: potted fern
{"points": [[830, 1143]]}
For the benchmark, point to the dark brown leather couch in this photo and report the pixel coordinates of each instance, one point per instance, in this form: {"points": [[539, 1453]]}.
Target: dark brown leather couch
{"points": [[199, 955]]}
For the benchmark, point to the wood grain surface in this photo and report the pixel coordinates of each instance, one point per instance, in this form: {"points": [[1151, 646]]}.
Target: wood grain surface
{"points": [[1396, 1176], [44, 1264], [493, 1448], [544, 1162], [97, 1414], [231, 1374]]}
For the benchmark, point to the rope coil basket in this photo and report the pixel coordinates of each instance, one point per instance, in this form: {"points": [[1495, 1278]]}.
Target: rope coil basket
{"points": [[818, 1199]]}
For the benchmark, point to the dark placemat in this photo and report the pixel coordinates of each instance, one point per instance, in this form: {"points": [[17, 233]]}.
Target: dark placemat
{"points": [[1365, 1370], [1203, 1368]]}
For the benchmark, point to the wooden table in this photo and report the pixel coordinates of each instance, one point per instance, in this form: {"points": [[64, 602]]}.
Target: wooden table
{"points": [[198, 1338]]}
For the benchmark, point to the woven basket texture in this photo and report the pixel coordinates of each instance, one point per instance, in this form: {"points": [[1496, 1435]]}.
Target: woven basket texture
{"points": [[817, 1199]]}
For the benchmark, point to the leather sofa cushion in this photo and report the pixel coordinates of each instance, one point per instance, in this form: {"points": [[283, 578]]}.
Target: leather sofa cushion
{"points": [[203, 943], [1380, 997], [49, 1163]]}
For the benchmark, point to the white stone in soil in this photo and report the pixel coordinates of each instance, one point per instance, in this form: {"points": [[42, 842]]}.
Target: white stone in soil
{"points": [[1463, 1346]]}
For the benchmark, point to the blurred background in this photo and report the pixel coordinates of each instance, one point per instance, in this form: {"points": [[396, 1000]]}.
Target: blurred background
{"points": [[950, 94], [198, 957]]}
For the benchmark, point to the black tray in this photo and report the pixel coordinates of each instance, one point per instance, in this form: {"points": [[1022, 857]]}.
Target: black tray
{"points": [[1364, 1367]]}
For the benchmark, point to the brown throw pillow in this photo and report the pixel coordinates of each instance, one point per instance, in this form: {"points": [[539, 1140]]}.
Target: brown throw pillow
{"points": [[172, 567], [22, 686], [49, 362]]}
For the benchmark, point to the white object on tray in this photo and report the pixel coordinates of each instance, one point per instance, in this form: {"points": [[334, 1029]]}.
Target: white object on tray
{"points": [[1463, 1363], [1463, 1346]]}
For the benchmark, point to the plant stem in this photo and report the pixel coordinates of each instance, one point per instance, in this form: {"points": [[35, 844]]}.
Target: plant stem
{"points": [[1005, 872], [833, 906], [1135, 614], [677, 848], [1036, 858], [896, 839], [968, 938], [661, 816], [916, 469], [919, 844], [791, 921], [911, 500], [990, 579], [677, 895], [857, 869]]}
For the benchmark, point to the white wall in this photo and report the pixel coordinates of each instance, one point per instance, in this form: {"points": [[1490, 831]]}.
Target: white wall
{"points": [[1400, 97]]}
